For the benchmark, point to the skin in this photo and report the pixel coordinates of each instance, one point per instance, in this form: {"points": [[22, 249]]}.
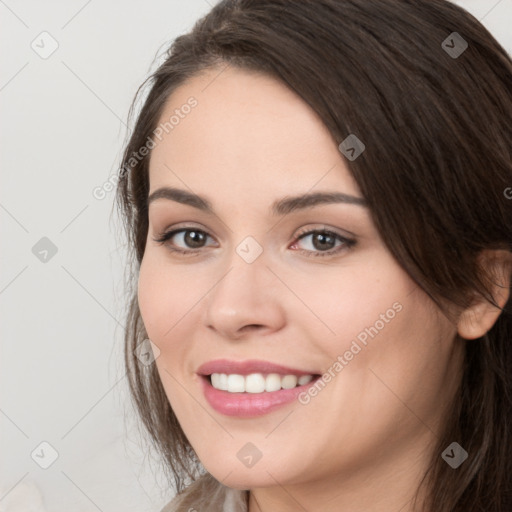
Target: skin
{"points": [[361, 444]]}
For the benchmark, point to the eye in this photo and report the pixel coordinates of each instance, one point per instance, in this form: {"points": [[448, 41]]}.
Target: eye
{"points": [[184, 240], [317, 243], [323, 242]]}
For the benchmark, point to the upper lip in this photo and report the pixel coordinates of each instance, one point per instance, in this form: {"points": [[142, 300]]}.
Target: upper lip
{"points": [[247, 367]]}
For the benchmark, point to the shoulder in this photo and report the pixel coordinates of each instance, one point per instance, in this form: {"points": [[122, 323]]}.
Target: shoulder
{"points": [[207, 494]]}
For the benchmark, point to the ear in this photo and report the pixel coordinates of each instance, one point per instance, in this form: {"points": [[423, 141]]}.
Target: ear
{"points": [[481, 315]]}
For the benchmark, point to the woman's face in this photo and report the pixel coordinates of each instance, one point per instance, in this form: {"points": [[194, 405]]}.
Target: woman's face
{"points": [[308, 285]]}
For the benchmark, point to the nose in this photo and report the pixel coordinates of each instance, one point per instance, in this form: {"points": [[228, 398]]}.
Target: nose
{"points": [[246, 299]]}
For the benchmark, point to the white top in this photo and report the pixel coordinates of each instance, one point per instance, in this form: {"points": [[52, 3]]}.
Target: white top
{"points": [[207, 494]]}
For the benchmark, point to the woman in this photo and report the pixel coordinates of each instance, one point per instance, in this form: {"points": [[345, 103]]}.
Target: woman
{"points": [[315, 193]]}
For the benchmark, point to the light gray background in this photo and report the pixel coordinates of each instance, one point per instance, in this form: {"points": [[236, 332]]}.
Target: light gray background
{"points": [[63, 123]]}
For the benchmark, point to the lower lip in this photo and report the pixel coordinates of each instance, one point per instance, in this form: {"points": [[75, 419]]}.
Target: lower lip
{"points": [[248, 405]]}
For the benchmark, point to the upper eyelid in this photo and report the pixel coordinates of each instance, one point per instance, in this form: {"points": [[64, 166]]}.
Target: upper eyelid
{"points": [[291, 219], [320, 227]]}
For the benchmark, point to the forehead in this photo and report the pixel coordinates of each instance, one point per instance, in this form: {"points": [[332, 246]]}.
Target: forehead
{"points": [[245, 130]]}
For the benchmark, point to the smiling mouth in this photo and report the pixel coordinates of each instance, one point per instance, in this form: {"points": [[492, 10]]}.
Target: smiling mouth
{"points": [[257, 382]]}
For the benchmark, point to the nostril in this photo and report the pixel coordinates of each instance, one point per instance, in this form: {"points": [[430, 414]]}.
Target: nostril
{"points": [[251, 327]]}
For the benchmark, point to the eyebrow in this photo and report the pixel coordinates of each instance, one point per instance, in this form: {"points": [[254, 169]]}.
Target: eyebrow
{"points": [[283, 206]]}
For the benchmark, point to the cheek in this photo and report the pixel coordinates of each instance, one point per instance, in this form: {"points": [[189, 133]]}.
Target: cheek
{"points": [[149, 294], [166, 300], [378, 318], [164, 296], [351, 300]]}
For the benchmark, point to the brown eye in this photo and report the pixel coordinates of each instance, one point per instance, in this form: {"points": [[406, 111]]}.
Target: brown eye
{"points": [[194, 239], [184, 240], [323, 243]]}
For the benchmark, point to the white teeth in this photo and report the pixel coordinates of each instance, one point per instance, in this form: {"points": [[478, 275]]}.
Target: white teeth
{"points": [[305, 379], [289, 381], [223, 381], [254, 383], [257, 382], [273, 382], [236, 383], [220, 381]]}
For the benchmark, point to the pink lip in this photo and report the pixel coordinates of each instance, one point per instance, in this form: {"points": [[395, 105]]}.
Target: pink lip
{"points": [[248, 405], [248, 367]]}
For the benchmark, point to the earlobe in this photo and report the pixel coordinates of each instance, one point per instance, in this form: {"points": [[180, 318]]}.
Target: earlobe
{"points": [[481, 315], [478, 319]]}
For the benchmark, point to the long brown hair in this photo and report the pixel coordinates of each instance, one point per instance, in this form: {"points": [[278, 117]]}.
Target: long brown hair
{"points": [[436, 120]]}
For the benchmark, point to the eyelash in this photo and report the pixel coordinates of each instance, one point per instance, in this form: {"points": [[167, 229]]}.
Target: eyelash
{"points": [[347, 243]]}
